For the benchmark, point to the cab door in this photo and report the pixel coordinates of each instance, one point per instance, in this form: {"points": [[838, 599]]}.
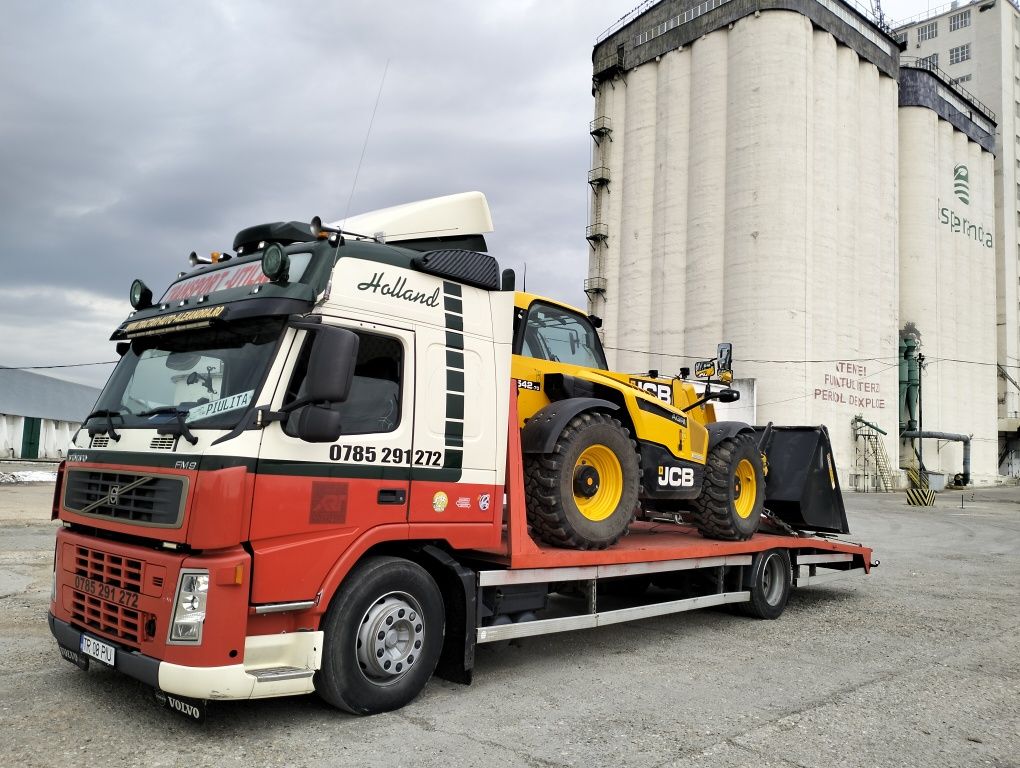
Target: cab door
{"points": [[313, 500]]}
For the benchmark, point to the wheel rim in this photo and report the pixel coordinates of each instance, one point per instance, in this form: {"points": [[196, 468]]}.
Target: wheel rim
{"points": [[772, 579], [745, 488], [391, 638], [598, 482]]}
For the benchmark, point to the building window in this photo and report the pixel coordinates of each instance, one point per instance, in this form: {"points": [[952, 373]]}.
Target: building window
{"points": [[959, 53], [927, 31], [959, 21], [962, 79], [929, 62]]}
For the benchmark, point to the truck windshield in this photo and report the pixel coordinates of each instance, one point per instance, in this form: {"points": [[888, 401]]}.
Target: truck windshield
{"points": [[208, 376]]}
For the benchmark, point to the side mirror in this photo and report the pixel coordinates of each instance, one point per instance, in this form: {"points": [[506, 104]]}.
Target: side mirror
{"points": [[331, 365], [315, 424], [724, 354]]}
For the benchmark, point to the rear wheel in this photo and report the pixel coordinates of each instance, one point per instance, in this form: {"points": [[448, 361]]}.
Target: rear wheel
{"points": [[584, 494], [733, 493], [383, 636], [770, 584]]}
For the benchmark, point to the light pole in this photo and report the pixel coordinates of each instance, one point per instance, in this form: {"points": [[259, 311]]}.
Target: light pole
{"points": [[920, 408]]}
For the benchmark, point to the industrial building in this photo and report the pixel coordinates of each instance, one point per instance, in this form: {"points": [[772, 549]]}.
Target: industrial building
{"points": [[770, 174], [977, 47], [39, 414]]}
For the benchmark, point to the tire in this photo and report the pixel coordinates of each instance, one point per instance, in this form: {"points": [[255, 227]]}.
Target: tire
{"points": [[770, 584], [383, 636], [733, 493], [584, 494]]}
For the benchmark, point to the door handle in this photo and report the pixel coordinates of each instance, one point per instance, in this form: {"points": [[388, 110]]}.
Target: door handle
{"points": [[392, 496]]}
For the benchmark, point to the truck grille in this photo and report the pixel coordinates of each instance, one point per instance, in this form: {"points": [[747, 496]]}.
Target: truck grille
{"points": [[156, 500], [117, 571], [124, 573], [120, 622]]}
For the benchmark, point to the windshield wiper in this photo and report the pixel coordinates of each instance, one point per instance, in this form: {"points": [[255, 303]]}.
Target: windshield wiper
{"points": [[182, 427], [108, 429]]}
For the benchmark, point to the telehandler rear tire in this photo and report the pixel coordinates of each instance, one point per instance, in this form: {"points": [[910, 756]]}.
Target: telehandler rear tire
{"points": [[733, 493], [584, 494]]}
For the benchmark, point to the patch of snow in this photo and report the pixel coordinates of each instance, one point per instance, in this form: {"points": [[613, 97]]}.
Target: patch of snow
{"points": [[28, 476]]}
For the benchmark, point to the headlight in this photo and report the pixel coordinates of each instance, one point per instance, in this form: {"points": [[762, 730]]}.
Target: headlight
{"points": [[189, 607]]}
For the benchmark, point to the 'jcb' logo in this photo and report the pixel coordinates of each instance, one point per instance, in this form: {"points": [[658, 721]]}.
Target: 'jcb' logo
{"points": [[676, 477], [662, 391]]}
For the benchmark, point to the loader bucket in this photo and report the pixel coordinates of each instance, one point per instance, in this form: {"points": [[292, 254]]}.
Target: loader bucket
{"points": [[802, 488]]}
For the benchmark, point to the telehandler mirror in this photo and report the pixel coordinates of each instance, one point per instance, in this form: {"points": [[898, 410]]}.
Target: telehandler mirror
{"points": [[704, 369], [724, 357]]}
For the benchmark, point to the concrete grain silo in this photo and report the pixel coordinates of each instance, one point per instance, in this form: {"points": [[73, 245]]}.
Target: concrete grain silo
{"points": [[947, 271], [745, 190]]}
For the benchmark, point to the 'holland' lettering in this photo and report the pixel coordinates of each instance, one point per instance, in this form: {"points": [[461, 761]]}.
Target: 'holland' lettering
{"points": [[399, 290]]}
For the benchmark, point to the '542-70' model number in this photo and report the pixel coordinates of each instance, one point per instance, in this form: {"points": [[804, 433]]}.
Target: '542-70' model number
{"points": [[370, 454]]}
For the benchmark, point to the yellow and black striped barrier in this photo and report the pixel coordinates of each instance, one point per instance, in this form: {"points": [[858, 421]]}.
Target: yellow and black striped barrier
{"points": [[921, 497]]}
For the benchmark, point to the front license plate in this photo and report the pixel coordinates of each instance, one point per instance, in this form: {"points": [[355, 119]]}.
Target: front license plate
{"points": [[98, 650]]}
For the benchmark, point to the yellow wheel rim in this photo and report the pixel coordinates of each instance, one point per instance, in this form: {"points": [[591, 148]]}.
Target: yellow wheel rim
{"points": [[598, 482], [745, 488]]}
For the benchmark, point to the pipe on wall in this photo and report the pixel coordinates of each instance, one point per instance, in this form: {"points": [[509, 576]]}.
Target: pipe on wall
{"points": [[965, 439]]}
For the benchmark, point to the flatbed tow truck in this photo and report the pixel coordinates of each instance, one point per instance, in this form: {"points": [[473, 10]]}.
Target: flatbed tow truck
{"points": [[306, 475]]}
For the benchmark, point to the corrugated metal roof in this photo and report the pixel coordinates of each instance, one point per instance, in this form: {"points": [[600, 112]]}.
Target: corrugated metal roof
{"points": [[23, 393]]}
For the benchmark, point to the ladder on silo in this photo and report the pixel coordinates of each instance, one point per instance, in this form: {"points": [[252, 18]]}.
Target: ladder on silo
{"points": [[870, 453]]}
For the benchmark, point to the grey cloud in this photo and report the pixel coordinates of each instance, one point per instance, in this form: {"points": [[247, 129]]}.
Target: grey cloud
{"points": [[132, 133]]}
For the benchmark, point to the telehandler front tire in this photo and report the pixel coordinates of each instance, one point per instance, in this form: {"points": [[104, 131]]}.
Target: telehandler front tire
{"points": [[733, 493], [584, 494]]}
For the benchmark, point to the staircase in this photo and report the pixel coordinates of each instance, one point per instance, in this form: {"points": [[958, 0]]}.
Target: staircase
{"points": [[871, 459]]}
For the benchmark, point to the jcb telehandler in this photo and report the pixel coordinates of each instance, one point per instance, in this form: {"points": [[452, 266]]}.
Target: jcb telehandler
{"points": [[602, 447]]}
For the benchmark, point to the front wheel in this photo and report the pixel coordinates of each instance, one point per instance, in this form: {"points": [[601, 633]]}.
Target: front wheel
{"points": [[383, 636], [733, 494], [584, 494]]}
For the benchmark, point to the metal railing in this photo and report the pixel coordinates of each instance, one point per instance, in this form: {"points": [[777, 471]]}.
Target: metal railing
{"points": [[922, 62], [931, 13], [627, 18]]}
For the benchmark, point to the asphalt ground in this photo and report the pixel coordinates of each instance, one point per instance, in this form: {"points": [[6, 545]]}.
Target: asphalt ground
{"points": [[917, 664]]}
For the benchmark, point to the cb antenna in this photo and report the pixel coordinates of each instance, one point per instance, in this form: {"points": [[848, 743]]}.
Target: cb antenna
{"points": [[364, 146]]}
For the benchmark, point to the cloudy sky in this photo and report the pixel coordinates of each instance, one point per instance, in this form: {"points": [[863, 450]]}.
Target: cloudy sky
{"points": [[133, 133]]}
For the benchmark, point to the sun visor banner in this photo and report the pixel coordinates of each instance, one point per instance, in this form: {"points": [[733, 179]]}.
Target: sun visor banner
{"points": [[243, 275], [177, 318], [237, 276]]}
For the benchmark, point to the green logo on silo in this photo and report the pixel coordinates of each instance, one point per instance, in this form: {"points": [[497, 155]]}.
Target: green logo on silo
{"points": [[961, 183]]}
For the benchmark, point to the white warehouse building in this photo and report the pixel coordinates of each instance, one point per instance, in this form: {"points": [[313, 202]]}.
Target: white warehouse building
{"points": [[762, 176], [39, 414]]}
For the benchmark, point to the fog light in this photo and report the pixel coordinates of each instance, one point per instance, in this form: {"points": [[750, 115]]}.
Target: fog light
{"points": [[140, 295], [275, 263]]}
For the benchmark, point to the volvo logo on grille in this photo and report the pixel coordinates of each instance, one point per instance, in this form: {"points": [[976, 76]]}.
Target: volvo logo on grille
{"points": [[113, 495]]}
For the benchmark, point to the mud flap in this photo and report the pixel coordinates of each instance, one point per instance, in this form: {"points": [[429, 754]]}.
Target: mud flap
{"points": [[802, 488], [194, 709]]}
